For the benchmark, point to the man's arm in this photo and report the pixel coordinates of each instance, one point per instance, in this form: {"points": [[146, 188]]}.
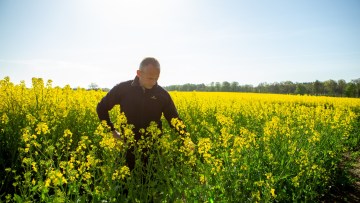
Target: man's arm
{"points": [[107, 103], [172, 117], [170, 110]]}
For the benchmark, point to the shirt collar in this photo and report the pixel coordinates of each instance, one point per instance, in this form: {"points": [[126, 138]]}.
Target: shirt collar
{"points": [[136, 82]]}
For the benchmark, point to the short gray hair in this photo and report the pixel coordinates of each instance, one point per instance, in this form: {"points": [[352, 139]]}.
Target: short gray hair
{"points": [[149, 60]]}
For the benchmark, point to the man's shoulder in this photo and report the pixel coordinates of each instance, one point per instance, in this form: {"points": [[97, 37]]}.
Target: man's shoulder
{"points": [[161, 90], [164, 93], [122, 86]]}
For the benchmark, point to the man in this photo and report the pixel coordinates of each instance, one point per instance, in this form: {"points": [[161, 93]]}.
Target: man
{"points": [[142, 100]]}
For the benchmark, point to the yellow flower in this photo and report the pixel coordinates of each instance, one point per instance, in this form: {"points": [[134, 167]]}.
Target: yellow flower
{"points": [[259, 183], [121, 174], [26, 136], [67, 133], [204, 145], [295, 181], [124, 171], [47, 182], [55, 177], [178, 125], [42, 128], [33, 164], [202, 179], [217, 166], [272, 191], [4, 119], [86, 176], [256, 195]]}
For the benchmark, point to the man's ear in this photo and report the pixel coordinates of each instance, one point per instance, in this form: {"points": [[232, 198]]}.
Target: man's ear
{"points": [[138, 73]]}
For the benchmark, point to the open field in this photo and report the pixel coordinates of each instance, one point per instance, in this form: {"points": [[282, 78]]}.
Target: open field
{"points": [[237, 147]]}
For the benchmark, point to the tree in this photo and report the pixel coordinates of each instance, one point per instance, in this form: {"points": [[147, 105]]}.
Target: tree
{"points": [[217, 86], [201, 87], [287, 87], [357, 87], [318, 88], [234, 86], [93, 86], [262, 87], [330, 87], [247, 88], [274, 88], [341, 88], [300, 89], [350, 90], [225, 87], [212, 87]]}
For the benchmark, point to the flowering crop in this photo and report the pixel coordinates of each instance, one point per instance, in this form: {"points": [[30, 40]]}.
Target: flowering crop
{"points": [[237, 147]]}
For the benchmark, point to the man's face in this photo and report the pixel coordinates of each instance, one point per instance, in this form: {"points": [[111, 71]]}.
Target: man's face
{"points": [[148, 76]]}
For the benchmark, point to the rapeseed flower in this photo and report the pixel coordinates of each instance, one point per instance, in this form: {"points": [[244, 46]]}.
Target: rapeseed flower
{"points": [[236, 135], [204, 146]]}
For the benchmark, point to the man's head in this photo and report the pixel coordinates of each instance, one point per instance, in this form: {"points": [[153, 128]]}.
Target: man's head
{"points": [[149, 72]]}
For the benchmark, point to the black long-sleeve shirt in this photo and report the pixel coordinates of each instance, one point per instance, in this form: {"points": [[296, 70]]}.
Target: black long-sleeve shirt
{"points": [[140, 106]]}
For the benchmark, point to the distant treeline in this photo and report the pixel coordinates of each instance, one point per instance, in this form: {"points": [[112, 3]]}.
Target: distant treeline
{"points": [[338, 88]]}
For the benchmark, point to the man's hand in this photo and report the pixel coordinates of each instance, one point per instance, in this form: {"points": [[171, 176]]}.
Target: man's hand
{"points": [[116, 134]]}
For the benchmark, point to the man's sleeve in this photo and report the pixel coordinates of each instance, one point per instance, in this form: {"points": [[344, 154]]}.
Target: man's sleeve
{"points": [[170, 111], [107, 103]]}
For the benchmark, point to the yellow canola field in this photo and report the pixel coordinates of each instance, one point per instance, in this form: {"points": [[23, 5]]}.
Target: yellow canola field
{"points": [[233, 147]]}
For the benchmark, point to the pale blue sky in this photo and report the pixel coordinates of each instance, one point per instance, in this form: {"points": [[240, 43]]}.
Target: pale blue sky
{"points": [[78, 42]]}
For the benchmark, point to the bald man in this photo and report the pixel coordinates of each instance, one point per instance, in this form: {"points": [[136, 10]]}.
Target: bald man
{"points": [[142, 100]]}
